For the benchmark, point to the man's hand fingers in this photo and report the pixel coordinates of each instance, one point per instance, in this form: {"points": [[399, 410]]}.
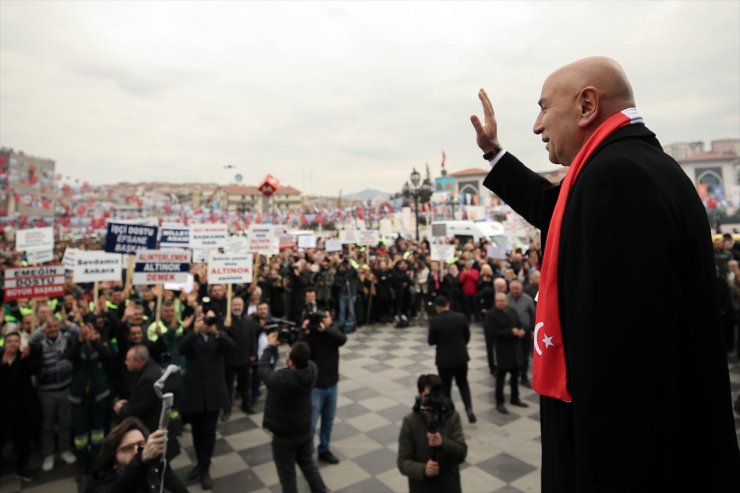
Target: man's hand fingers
{"points": [[487, 106], [477, 125]]}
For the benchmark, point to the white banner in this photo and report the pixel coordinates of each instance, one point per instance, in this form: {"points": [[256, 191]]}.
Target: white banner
{"points": [[333, 245], [91, 266], [237, 244], [160, 266], [368, 237], [442, 253], [187, 286], [262, 240], [69, 258], [34, 239], [208, 235], [496, 252], [348, 236], [306, 241], [229, 269]]}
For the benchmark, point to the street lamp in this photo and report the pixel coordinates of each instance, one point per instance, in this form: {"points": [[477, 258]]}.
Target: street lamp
{"points": [[420, 194]]}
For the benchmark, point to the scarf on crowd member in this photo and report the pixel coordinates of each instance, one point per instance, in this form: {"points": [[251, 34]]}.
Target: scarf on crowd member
{"points": [[549, 376]]}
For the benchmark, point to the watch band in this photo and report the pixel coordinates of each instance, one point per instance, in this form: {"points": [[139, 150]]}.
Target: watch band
{"points": [[492, 153]]}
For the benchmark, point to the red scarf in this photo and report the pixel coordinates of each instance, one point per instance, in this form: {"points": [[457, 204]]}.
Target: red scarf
{"points": [[549, 376]]}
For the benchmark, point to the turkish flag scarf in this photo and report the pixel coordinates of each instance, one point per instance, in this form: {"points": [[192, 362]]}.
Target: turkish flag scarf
{"points": [[549, 376]]}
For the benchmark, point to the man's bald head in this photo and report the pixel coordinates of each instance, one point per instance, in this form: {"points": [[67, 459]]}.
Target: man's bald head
{"points": [[575, 100]]}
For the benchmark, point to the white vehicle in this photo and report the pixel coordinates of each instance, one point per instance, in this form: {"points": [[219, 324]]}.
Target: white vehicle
{"points": [[475, 230]]}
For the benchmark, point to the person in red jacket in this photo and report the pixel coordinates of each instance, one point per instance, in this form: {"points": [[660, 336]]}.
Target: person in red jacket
{"points": [[469, 284]]}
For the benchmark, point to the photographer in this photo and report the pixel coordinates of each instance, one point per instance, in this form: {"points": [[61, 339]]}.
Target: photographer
{"points": [[431, 445], [287, 413], [347, 284], [324, 338], [205, 388]]}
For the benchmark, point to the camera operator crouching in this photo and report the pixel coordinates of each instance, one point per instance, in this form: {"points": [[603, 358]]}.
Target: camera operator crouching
{"points": [[431, 445], [288, 412], [324, 338]]}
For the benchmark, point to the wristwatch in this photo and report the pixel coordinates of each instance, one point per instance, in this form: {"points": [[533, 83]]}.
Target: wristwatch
{"points": [[492, 153]]}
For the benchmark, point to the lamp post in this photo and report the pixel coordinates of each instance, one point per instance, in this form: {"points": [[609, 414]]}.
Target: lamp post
{"points": [[419, 193]]}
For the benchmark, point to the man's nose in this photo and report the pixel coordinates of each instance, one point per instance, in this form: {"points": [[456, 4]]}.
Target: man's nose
{"points": [[537, 129]]}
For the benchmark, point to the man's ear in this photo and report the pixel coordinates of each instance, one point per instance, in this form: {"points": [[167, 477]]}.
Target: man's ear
{"points": [[588, 106]]}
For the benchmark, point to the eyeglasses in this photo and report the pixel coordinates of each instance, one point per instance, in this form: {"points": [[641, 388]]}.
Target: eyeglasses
{"points": [[128, 448]]}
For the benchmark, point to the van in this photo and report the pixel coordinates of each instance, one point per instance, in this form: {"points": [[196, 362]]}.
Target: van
{"points": [[472, 230]]}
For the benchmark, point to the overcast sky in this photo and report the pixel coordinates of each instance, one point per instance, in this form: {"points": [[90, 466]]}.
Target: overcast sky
{"points": [[336, 95]]}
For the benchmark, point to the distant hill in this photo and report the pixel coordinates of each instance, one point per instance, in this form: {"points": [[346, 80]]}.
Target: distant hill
{"points": [[366, 194]]}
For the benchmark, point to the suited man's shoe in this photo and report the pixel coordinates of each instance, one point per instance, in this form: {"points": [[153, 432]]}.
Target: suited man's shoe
{"points": [[205, 481], [328, 457], [471, 416], [193, 474], [519, 404], [502, 409]]}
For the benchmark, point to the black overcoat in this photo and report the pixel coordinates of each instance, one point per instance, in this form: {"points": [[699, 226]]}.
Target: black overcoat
{"points": [[651, 406], [450, 332], [205, 381], [508, 347]]}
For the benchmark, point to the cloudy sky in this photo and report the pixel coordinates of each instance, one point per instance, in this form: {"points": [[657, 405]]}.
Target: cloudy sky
{"points": [[334, 96]]}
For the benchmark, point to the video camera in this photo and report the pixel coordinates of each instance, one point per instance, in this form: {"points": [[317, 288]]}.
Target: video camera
{"points": [[288, 333], [438, 405], [206, 303], [314, 319]]}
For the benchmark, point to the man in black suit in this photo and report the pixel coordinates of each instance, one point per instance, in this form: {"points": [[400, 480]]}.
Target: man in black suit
{"points": [[450, 332], [605, 426], [205, 388], [143, 402], [243, 331]]}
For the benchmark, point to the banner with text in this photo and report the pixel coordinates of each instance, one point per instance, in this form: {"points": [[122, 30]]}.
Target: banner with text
{"points": [[38, 243], [205, 236], [92, 266], [34, 282], [442, 253], [127, 238], [161, 266], [229, 269], [174, 236], [262, 240]]}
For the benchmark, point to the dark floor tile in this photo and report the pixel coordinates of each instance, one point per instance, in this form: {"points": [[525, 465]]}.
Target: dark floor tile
{"points": [[385, 435], [506, 467], [361, 394], [377, 367], [342, 430], [234, 426], [351, 410], [370, 485], [396, 413], [377, 461], [508, 489], [501, 419], [254, 456], [244, 480]]}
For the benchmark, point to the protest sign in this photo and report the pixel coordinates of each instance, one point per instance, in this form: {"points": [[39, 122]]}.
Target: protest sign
{"points": [[160, 266], [262, 240], [38, 243], [368, 237], [496, 252], [34, 282], [333, 245], [287, 241], [94, 266], [236, 244], [306, 241], [348, 236], [442, 253], [69, 258], [228, 268], [186, 286], [174, 236], [127, 238], [207, 236], [200, 255]]}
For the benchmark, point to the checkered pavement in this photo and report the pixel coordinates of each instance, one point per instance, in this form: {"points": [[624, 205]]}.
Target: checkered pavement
{"points": [[379, 366]]}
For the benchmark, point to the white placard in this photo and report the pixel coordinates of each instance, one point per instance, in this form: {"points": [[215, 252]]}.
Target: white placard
{"points": [[229, 269], [496, 252], [368, 237], [208, 235], [262, 240], [160, 266], [333, 245], [200, 255], [306, 241], [69, 258], [35, 240], [442, 253], [236, 244], [91, 266], [187, 286], [348, 236], [39, 256]]}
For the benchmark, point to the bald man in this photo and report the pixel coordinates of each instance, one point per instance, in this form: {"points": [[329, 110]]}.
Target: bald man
{"points": [[635, 395]]}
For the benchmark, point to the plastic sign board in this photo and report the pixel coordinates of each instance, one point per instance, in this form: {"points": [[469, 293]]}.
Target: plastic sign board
{"points": [[348, 236], [34, 282], [161, 266], [69, 258], [286, 241], [127, 238], [333, 245], [204, 236], [34, 240], [174, 236], [263, 240], [306, 241], [442, 253], [92, 266], [496, 252], [229, 269], [236, 244], [368, 237]]}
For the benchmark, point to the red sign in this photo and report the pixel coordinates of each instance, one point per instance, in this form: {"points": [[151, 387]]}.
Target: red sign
{"points": [[45, 281], [269, 185]]}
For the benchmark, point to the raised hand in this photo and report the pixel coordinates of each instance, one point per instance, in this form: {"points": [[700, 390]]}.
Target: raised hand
{"points": [[486, 132]]}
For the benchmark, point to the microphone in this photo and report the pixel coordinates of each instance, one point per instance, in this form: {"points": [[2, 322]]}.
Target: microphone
{"points": [[167, 399]]}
